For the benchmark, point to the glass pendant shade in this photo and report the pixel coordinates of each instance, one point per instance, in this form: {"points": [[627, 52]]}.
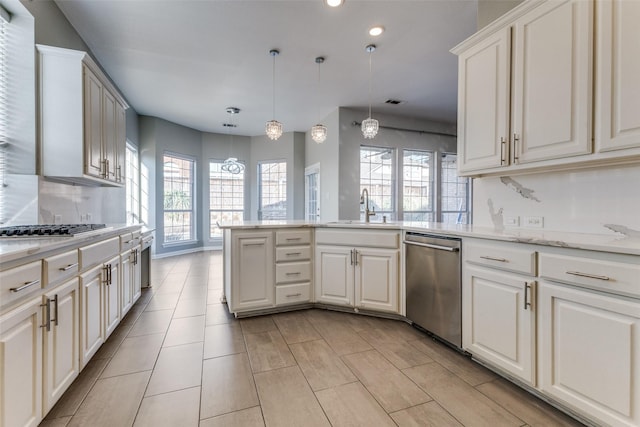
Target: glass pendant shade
{"points": [[232, 165], [369, 128], [273, 129], [319, 133]]}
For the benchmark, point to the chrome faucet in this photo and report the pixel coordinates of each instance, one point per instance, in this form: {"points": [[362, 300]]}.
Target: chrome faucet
{"points": [[364, 200]]}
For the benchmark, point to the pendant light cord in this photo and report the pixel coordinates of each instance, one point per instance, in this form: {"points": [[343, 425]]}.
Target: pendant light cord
{"points": [[370, 79], [274, 87]]}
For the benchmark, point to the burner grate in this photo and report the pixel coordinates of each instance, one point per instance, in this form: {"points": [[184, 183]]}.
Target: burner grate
{"points": [[45, 230]]}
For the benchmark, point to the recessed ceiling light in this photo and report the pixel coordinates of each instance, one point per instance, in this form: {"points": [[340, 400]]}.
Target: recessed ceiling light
{"points": [[376, 31], [334, 3]]}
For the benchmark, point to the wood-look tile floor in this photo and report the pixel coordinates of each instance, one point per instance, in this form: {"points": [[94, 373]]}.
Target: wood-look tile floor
{"points": [[180, 359]]}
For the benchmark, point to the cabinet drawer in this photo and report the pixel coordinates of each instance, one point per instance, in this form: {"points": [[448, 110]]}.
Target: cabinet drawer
{"points": [[60, 266], [293, 272], [98, 252], [294, 293], [17, 282], [293, 253], [129, 241], [376, 239], [607, 276], [293, 237], [505, 257]]}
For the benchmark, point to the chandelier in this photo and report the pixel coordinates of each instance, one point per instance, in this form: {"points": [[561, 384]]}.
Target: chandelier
{"points": [[273, 127], [232, 165], [370, 126], [319, 131]]}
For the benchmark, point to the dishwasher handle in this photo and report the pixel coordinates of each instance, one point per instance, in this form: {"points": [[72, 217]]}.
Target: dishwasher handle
{"points": [[428, 245]]}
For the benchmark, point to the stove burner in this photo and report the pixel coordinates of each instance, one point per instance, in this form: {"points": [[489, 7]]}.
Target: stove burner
{"points": [[46, 230]]}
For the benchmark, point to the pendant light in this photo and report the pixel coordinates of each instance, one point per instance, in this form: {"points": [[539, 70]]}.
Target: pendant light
{"points": [[369, 125], [319, 131], [273, 128], [232, 164]]}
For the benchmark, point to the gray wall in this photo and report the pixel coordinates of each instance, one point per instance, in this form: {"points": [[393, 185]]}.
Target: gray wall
{"points": [[490, 10]]}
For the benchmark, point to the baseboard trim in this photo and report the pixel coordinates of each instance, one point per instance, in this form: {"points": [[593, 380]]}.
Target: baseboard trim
{"points": [[186, 251]]}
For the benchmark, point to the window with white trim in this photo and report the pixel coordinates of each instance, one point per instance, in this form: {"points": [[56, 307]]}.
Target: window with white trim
{"points": [[179, 199], [417, 185], [377, 175], [272, 185], [226, 197], [132, 184], [454, 191]]}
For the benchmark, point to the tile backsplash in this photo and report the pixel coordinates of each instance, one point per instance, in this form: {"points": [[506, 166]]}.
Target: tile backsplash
{"points": [[601, 201]]}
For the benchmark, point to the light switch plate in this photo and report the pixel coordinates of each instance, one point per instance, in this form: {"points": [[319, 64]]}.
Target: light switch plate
{"points": [[534, 221]]}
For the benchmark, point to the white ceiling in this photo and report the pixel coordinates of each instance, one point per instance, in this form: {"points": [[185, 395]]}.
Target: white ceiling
{"points": [[187, 61]]}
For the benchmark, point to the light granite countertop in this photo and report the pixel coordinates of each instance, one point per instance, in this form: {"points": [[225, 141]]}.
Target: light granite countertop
{"points": [[615, 243], [25, 249]]}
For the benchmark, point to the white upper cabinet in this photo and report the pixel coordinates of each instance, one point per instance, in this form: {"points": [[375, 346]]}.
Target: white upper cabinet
{"points": [[617, 104], [551, 112], [483, 103], [82, 129]]}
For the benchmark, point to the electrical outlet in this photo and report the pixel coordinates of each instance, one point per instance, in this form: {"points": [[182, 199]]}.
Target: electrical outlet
{"points": [[534, 221], [83, 218], [57, 219], [88, 217], [512, 221]]}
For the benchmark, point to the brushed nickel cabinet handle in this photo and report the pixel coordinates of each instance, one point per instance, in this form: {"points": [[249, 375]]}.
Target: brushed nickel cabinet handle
{"points": [[294, 295], [47, 315], [527, 288], [293, 239], [293, 253], [55, 310], [516, 139], [590, 276], [503, 143], [25, 286], [68, 267], [297, 273], [491, 258]]}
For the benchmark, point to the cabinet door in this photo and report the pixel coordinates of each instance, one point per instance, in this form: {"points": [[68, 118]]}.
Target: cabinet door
{"points": [[120, 143], [618, 68], [61, 342], [91, 313], [589, 352], [252, 270], [126, 288], [93, 125], [483, 103], [334, 275], [498, 320], [21, 365], [376, 279], [552, 94], [112, 296], [110, 146], [136, 275]]}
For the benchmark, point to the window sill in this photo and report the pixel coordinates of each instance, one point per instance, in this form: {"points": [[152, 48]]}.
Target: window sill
{"points": [[179, 243]]}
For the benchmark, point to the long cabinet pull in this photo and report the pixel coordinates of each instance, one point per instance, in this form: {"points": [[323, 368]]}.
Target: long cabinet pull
{"points": [[351, 254], [527, 289], [253, 244], [25, 286], [47, 315], [107, 274], [68, 267], [432, 246], [355, 256], [590, 276], [293, 295], [296, 273], [516, 139], [55, 310], [293, 239], [491, 258], [503, 144], [294, 253]]}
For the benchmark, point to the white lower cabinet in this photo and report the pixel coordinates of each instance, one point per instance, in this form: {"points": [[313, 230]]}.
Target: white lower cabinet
{"points": [[111, 291], [61, 341], [334, 277], [21, 365], [251, 282], [499, 320], [589, 352], [130, 280], [91, 317], [136, 274], [357, 277]]}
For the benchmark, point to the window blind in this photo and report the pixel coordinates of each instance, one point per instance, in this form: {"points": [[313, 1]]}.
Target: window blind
{"points": [[4, 28]]}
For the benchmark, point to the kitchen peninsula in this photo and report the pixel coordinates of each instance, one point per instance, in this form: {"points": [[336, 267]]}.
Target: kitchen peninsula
{"points": [[544, 309]]}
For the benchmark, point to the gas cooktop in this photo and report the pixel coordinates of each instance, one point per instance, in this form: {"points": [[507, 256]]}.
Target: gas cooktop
{"points": [[49, 230]]}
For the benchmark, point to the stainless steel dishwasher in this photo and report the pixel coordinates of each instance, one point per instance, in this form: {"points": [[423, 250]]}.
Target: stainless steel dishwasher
{"points": [[433, 282]]}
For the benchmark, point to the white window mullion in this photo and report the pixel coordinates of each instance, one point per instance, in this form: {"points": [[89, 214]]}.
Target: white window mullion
{"points": [[4, 142]]}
